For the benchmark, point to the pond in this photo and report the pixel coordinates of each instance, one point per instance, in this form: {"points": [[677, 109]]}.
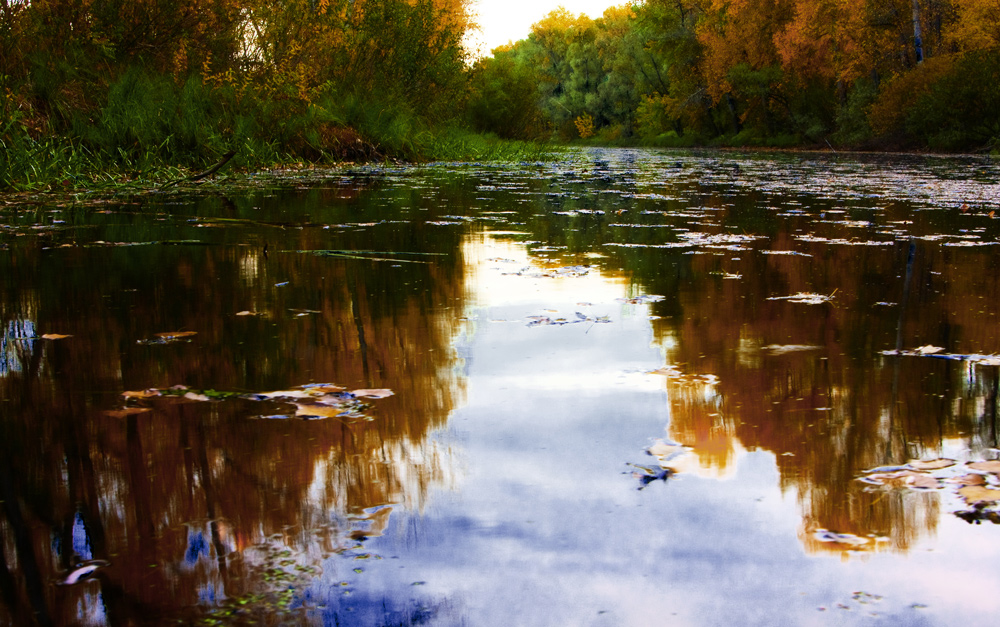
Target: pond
{"points": [[624, 387]]}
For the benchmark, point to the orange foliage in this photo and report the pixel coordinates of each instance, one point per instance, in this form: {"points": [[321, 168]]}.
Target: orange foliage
{"points": [[977, 26]]}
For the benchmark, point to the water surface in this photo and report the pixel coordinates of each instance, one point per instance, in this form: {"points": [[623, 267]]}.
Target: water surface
{"points": [[627, 388]]}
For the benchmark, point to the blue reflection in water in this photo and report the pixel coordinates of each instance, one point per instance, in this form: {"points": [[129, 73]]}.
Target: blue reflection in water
{"points": [[81, 539]]}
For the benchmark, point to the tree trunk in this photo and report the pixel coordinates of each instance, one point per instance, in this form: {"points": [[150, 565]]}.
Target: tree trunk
{"points": [[918, 44]]}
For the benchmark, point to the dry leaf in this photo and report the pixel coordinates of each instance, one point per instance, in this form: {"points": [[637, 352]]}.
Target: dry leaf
{"points": [[990, 466], [286, 394], [151, 392], [245, 313], [55, 336], [662, 449], [193, 396], [928, 349], [978, 494], [932, 464], [372, 393], [173, 335], [326, 389], [902, 479], [318, 411], [970, 479], [923, 482]]}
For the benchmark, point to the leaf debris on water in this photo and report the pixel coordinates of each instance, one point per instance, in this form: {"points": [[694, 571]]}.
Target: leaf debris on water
{"points": [[310, 401], [804, 298], [169, 337]]}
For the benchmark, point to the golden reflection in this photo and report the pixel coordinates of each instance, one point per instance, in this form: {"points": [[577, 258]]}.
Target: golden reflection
{"points": [[808, 383], [202, 497]]}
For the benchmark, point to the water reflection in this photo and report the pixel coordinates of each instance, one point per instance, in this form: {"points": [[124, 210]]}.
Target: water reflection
{"points": [[195, 498], [541, 327]]}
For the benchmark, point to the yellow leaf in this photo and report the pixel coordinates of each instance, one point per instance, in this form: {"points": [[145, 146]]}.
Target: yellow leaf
{"points": [[382, 393], [142, 393], [990, 466], [924, 482], [978, 494], [172, 335], [319, 411], [55, 336]]}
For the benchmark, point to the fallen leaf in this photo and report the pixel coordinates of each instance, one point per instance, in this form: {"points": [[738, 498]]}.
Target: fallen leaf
{"points": [[246, 313], [970, 479], [932, 464], [824, 535], [902, 479], [194, 396], [924, 482], [151, 392], [978, 494], [990, 466], [55, 336], [325, 389], [318, 411], [928, 349], [285, 394], [82, 571], [667, 371], [662, 449], [173, 335], [364, 393]]}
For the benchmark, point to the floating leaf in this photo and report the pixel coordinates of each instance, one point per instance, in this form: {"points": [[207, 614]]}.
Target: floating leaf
{"points": [[318, 411], [173, 335], [246, 312], [194, 396], [805, 298], [365, 393], [990, 466], [932, 464], [82, 571], [824, 535], [151, 392], [55, 336], [979, 494], [928, 349], [970, 479], [641, 300], [662, 449], [902, 479]]}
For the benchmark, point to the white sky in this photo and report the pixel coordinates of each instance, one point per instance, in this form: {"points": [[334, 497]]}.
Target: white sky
{"points": [[501, 21]]}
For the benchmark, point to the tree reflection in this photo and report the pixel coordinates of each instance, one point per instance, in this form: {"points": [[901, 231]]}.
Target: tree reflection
{"points": [[808, 382], [191, 503]]}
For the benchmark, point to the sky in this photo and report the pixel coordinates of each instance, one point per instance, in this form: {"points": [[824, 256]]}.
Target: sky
{"points": [[509, 20]]}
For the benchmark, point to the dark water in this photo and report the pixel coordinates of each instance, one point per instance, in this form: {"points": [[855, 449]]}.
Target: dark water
{"points": [[628, 388]]}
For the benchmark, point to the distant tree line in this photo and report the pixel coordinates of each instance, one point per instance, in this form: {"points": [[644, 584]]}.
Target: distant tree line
{"points": [[853, 73]]}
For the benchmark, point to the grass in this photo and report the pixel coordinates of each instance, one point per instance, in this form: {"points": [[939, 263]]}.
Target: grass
{"points": [[147, 129]]}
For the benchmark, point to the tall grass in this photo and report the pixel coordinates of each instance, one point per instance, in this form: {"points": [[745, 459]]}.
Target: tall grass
{"points": [[146, 126]]}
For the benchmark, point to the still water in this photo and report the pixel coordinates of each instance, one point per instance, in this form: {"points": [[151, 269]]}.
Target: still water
{"points": [[621, 388]]}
